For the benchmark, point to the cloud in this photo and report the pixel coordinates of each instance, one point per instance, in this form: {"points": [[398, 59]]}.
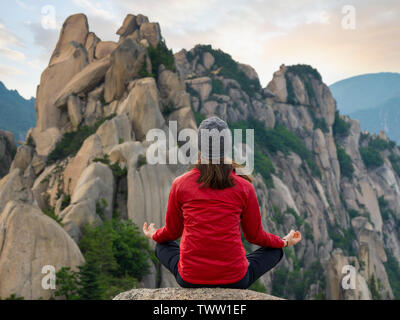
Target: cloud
{"points": [[262, 33], [7, 37], [24, 6], [95, 9], [8, 40], [266, 34], [339, 53], [45, 39], [6, 71], [102, 18], [12, 54], [37, 64]]}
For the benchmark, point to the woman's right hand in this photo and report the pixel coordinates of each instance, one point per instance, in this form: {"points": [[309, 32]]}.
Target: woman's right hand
{"points": [[292, 238], [149, 231]]}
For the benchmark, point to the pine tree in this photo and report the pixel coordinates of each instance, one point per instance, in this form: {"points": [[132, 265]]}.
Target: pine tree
{"points": [[90, 283]]}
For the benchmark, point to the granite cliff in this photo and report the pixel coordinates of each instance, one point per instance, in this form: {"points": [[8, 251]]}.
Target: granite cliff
{"points": [[314, 169]]}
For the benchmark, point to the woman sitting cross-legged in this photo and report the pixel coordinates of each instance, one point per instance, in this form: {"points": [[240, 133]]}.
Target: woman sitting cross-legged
{"points": [[207, 208]]}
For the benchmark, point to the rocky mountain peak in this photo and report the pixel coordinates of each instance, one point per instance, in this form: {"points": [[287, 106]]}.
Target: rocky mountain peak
{"points": [[84, 162]]}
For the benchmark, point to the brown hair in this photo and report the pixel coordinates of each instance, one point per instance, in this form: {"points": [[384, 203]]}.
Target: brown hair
{"points": [[218, 175]]}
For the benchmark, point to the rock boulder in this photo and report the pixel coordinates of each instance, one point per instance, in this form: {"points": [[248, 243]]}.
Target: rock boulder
{"points": [[126, 62], [29, 241], [193, 294]]}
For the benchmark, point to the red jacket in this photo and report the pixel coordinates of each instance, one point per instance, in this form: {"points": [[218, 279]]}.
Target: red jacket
{"points": [[211, 250]]}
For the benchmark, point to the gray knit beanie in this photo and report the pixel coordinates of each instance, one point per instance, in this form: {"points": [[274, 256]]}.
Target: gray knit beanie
{"points": [[214, 139]]}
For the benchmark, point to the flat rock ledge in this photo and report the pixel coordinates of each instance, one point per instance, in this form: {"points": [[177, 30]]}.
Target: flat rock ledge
{"points": [[193, 294]]}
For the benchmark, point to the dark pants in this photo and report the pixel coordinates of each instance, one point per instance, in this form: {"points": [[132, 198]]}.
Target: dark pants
{"points": [[260, 261]]}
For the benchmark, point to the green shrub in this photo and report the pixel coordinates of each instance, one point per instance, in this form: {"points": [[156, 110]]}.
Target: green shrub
{"points": [[282, 139], [340, 127], [30, 142], [265, 167], [279, 280], [380, 144], [395, 161], [291, 97], [386, 212], [217, 87], [143, 73], [320, 296], [167, 110], [199, 117], [342, 238], [345, 162], [299, 220], [258, 287], [141, 161], [320, 123], [228, 68], [116, 257], [371, 157], [131, 250], [370, 152], [67, 284], [262, 162], [393, 271], [272, 140], [65, 201], [50, 213], [278, 216], [161, 55], [117, 171], [303, 70], [101, 206], [71, 142], [192, 92], [289, 284], [363, 137], [305, 73], [373, 288], [353, 213]]}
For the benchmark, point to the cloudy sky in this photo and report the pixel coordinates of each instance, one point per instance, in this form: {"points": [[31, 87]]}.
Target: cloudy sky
{"points": [[341, 38]]}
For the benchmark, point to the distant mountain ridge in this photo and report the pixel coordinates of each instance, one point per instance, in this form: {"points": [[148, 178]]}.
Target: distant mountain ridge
{"points": [[384, 117], [374, 99], [17, 114]]}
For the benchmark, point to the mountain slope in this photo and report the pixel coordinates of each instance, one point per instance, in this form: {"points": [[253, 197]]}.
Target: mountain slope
{"points": [[384, 117], [365, 91], [374, 99], [16, 113], [84, 163]]}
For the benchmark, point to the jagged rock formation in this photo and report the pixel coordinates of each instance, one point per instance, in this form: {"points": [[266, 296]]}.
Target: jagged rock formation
{"points": [[334, 209], [315, 170], [7, 151], [29, 241], [109, 90], [193, 294]]}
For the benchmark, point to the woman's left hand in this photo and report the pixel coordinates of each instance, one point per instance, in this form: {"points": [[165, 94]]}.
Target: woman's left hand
{"points": [[149, 231]]}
